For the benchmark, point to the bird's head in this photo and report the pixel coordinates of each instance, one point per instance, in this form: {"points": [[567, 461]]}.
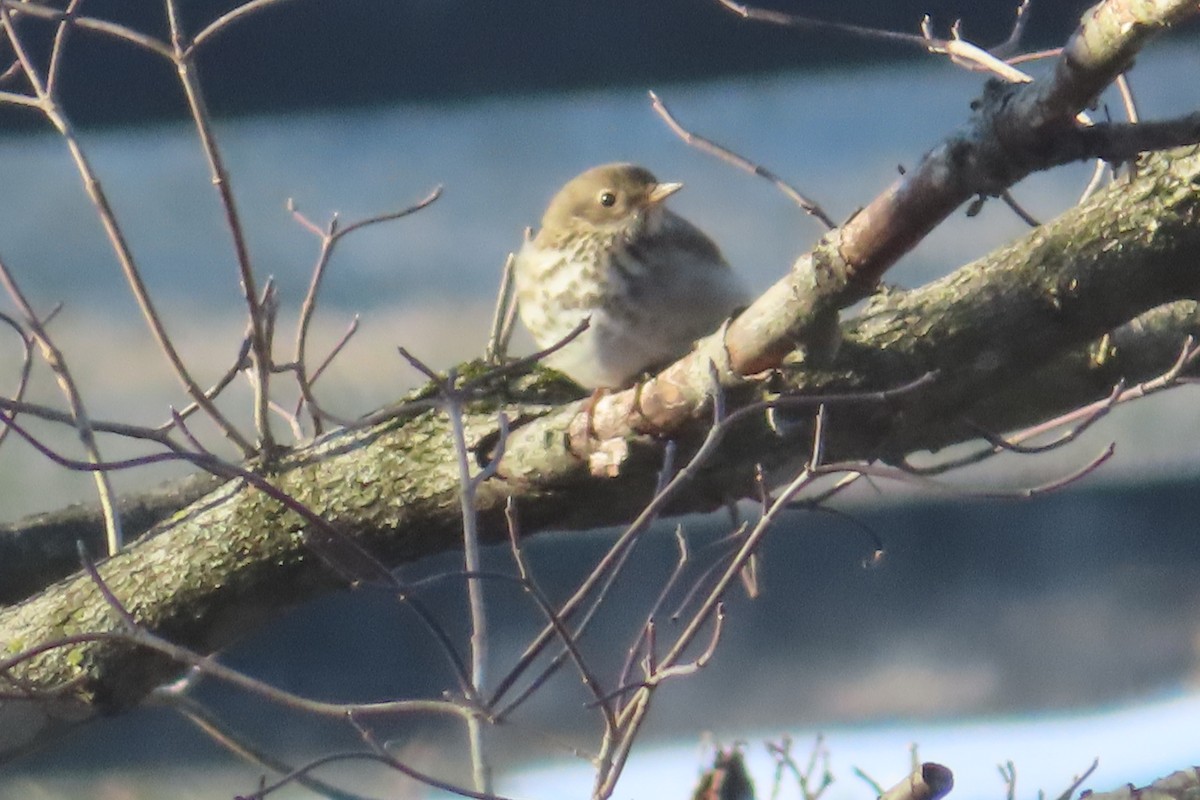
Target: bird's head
{"points": [[612, 196]]}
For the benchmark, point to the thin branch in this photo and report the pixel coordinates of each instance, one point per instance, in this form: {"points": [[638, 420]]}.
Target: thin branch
{"points": [[811, 23], [619, 550], [905, 475], [681, 562], [635, 712], [1079, 419], [237, 743], [1127, 100], [1069, 792], [306, 383], [79, 416], [480, 760], [110, 29], [399, 766], [965, 54], [497, 346], [26, 365], [226, 20], [48, 104], [1019, 210], [809, 207], [452, 406], [214, 391], [260, 340], [1073, 433], [564, 634], [329, 238], [16, 99], [16, 406], [1011, 45], [59, 47], [218, 671]]}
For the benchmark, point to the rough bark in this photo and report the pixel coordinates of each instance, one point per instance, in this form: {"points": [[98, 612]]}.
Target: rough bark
{"points": [[988, 334], [214, 571], [41, 549]]}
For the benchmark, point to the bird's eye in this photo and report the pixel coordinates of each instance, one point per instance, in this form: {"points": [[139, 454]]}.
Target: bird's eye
{"points": [[608, 199]]}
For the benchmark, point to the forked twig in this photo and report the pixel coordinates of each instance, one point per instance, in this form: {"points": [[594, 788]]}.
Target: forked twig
{"points": [[48, 104], [1011, 45], [1079, 419], [236, 743], [781, 752], [260, 328], [114, 537], [329, 238], [451, 400], [606, 569], [387, 760], [564, 634], [905, 474]]}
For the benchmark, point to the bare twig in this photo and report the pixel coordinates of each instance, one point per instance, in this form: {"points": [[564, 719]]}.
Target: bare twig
{"points": [[635, 712], [564, 634], [217, 671], [223, 22], [1127, 100], [452, 400], [214, 391], [111, 29], [811, 23], [1079, 419], [398, 766], [1018, 209], [681, 563], [906, 475], [1011, 45], [1069, 792], [1008, 774], [725, 154], [79, 416], [606, 569], [239, 745], [26, 365], [60, 42], [818, 756], [49, 106], [329, 237], [497, 346], [260, 340]]}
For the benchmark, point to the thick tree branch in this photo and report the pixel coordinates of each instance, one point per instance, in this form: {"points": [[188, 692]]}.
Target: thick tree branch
{"points": [[238, 556], [40, 549], [209, 575], [1015, 130]]}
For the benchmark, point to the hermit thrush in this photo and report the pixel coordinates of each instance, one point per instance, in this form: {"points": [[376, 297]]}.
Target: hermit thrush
{"points": [[649, 281]]}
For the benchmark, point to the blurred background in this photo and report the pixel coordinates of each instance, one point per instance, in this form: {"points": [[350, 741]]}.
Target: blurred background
{"points": [[1023, 613]]}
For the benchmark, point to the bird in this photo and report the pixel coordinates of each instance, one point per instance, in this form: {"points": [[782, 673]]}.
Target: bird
{"points": [[648, 281]]}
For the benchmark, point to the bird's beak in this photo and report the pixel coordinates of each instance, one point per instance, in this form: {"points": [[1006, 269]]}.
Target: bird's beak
{"points": [[662, 191]]}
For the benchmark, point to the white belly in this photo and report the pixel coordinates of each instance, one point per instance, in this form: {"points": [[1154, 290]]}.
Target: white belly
{"points": [[675, 308]]}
